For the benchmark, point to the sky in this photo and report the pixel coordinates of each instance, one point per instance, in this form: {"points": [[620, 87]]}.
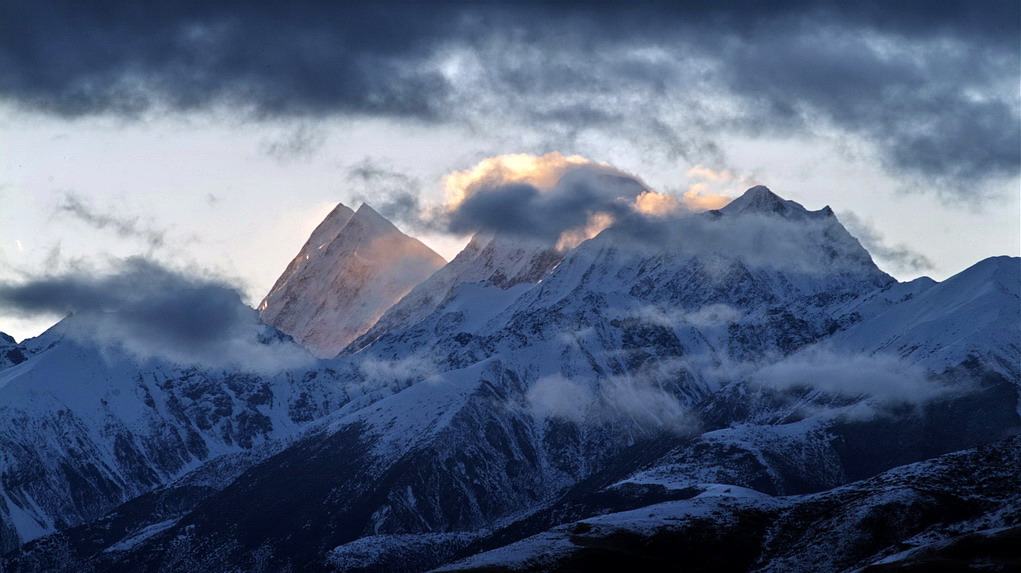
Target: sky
{"points": [[211, 138]]}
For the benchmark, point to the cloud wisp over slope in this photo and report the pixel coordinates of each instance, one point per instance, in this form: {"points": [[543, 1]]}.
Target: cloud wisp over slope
{"points": [[151, 311]]}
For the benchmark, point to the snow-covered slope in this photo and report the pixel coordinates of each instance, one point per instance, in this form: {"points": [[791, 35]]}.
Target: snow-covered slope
{"points": [[951, 348], [86, 426], [975, 313], [711, 286], [351, 270]]}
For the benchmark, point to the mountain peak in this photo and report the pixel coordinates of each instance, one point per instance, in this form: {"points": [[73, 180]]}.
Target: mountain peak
{"points": [[761, 191], [369, 219], [328, 229], [341, 210], [366, 210], [341, 282], [760, 199]]}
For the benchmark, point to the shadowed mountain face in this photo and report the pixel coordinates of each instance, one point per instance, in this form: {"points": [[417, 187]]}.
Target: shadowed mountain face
{"points": [[697, 392], [947, 514], [353, 268], [11, 352]]}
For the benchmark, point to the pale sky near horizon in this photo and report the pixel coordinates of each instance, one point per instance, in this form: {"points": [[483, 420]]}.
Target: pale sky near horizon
{"points": [[905, 123]]}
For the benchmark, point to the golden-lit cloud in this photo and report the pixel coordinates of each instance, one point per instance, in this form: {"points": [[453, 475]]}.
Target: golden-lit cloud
{"points": [[704, 173], [571, 212], [540, 171], [695, 198], [571, 238], [568, 199], [656, 204], [699, 198], [713, 189]]}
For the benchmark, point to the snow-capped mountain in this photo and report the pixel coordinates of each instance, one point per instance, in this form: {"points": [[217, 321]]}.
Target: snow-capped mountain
{"points": [[738, 372], [353, 268]]}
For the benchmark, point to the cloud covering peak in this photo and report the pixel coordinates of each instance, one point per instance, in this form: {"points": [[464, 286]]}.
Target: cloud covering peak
{"points": [[148, 310], [554, 198]]}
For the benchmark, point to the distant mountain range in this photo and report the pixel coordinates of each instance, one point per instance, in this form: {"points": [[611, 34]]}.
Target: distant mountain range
{"points": [[736, 389]]}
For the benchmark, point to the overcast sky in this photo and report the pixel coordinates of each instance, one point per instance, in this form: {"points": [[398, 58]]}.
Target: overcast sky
{"points": [[212, 137]]}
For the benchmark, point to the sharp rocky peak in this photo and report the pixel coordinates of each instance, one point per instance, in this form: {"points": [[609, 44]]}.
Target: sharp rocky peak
{"points": [[344, 278], [761, 200], [371, 221], [328, 229]]}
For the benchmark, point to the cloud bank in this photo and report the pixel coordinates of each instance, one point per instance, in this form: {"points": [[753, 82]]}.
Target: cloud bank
{"points": [[538, 197], [883, 379], [931, 89], [154, 312], [555, 199]]}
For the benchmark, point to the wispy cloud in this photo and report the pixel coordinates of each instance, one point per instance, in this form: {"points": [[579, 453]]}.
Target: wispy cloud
{"points": [[392, 193], [298, 143], [401, 372], [873, 383], [708, 316], [76, 206], [900, 256], [635, 399]]}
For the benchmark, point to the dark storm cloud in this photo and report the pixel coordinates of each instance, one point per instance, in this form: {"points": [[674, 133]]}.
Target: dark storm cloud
{"points": [[919, 103], [932, 86], [77, 58], [150, 310], [182, 309], [127, 227]]}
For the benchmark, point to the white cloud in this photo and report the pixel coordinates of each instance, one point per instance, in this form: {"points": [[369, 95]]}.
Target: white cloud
{"points": [[559, 397], [881, 378], [708, 316], [616, 399]]}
